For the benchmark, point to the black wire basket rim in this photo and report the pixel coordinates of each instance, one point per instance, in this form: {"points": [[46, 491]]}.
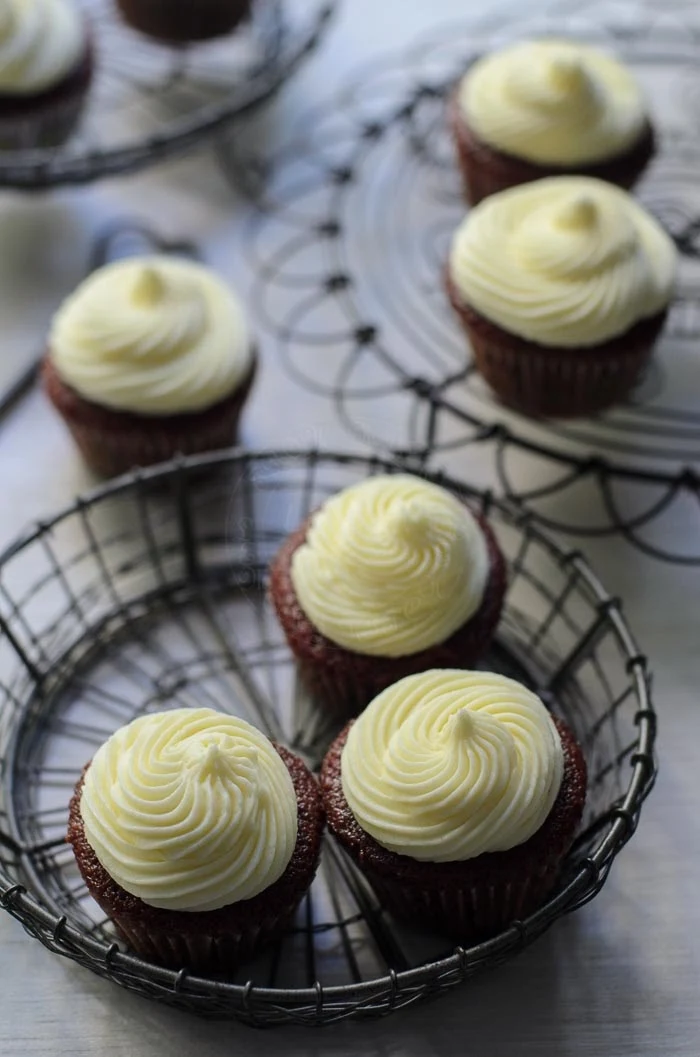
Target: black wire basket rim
{"points": [[582, 886]]}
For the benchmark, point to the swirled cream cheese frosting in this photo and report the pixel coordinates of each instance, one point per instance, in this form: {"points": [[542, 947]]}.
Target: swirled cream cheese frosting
{"points": [[152, 335], [553, 102], [446, 765], [391, 566], [568, 261], [41, 41], [190, 810]]}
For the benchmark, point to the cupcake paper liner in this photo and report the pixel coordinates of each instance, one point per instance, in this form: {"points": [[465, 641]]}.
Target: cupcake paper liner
{"points": [[344, 682], [217, 940], [113, 442], [485, 170], [470, 900], [540, 380], [186, 20]]}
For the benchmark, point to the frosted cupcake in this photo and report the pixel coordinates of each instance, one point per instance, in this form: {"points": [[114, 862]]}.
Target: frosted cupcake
{"points": [[547, 108], [457, 795], [562, 287], [391, 576], [197, 836], [151, 356], [45, 72], [186, 20]]}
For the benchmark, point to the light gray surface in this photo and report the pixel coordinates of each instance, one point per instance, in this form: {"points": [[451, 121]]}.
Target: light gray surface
{"points": [[618, 978]]}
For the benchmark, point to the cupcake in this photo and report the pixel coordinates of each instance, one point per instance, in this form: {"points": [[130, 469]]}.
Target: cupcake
{"points": [[197, 837], [187, 20], [562, 287], [151, 356], [45, 72], [458, 796], [548, 108], [391, 576]]}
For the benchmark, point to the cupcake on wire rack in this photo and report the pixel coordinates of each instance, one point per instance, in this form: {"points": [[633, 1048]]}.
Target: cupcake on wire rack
{"points": [[562, 287], [549, 108], [150, 357], [390, 576], [197, 836], [458, 796], [46, 64]]}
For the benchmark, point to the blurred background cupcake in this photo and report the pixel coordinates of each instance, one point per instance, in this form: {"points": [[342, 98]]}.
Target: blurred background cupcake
{"points": [[457, 795], [562, 287], [197, 836], [390, 576], [186, 20], [546, 108], [150, 357], [46, 65]]}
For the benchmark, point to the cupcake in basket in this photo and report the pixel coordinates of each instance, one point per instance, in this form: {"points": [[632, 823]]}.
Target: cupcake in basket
{"points": [[197, 836], [391, 576], [548, 108], [457, 795], [186, 20], [562, 287], [45, 72], [151, 356]]}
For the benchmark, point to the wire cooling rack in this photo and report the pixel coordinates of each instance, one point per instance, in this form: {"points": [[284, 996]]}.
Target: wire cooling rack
{"points": [[149, 101], [150, 593], [349, 252]]}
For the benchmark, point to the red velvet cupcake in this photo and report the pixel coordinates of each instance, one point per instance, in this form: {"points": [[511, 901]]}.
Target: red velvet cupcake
{"points": [[548, 108], [186, 20], [45, 72], [457, 796], [391, 576], [562, 287], [197, 836], [149, 358]]}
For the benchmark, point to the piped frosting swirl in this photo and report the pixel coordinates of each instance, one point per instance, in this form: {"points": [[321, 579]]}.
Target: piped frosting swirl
{"points": [[553, 102], [568, 261], [391, 566], [153, 335], [40, 43], [447, 765], [190, 810]]}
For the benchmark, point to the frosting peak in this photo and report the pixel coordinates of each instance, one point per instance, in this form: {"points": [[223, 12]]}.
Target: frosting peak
{"points": [[190, 810], [40, 43], [447, 765], [568, 261], [391, 566], [553, 102], [154, 335]]}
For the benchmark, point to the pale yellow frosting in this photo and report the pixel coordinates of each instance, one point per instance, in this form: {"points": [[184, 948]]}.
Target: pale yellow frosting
{"points": [[190, 810], [154, 335], [41, 41], [391, 566], [553, 102], [446, 765], [568, 261]]}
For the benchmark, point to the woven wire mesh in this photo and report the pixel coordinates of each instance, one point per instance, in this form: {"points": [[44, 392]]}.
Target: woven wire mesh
{"points": [[348, 257], [150, 593], [149, 101]]}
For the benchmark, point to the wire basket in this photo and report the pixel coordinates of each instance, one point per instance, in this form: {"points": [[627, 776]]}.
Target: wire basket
{"points": [[348, 257], [150, 593], [150, 100]]}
